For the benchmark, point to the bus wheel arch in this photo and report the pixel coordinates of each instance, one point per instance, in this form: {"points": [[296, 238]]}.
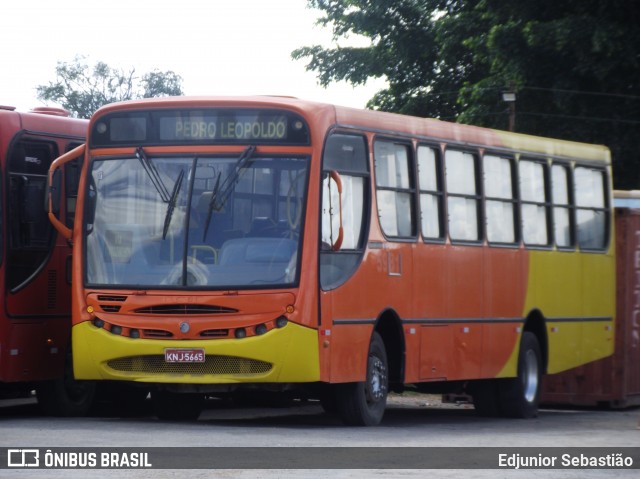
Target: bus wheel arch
{"points": [[389, 327], [535, 323]]}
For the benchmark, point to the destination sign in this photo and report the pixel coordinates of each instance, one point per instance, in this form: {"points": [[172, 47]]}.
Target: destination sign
{"points": [[202, 126], [222, 128]]}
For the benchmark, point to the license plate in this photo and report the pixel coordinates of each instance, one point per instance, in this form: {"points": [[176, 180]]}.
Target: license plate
{"points": [[175, 355]]}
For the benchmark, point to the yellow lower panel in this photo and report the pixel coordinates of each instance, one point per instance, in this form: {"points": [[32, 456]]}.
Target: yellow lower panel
{"points": [[282, 355], [576, 343]]}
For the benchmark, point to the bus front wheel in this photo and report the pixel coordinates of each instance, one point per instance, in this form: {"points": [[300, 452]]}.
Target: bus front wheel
{"points": [[363, 403]]}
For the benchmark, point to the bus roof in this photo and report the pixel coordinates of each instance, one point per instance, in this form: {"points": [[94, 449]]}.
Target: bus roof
{"points": [[386, 123]]}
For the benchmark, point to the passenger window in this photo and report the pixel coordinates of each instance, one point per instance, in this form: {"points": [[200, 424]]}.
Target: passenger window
{"points": [[500, 202], [394, 189], [430, 193], [591, 208], [535, 229], [462, 196], [562, 229]]}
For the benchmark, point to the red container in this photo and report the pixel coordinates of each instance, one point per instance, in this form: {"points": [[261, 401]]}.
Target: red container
{"points": [[613, 381]]}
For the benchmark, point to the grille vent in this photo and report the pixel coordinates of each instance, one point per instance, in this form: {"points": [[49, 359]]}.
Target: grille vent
{"points": [[156, 333], [213, 365], [215, 333], [185, 309], [110, 308], [111, 297], [52, 291]]}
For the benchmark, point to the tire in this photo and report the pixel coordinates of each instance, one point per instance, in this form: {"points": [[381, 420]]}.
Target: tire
{"points": [[363, 403], [519, 397], [172, 406], [66, 396]]}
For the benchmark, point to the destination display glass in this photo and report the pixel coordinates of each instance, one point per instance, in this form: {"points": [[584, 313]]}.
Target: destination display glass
{"points": [[199, 126]]}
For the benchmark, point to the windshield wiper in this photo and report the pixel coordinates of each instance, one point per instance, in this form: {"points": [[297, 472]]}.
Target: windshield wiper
{"points": [[172, 204], [220, 193], [161, 188], [153, 174]]}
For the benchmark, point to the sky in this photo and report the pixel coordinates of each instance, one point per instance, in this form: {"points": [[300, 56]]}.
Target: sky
{"points": [[218, 47]]}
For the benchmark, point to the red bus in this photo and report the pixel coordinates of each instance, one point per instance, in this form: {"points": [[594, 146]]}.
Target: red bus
{"points": [[35, 266], [274, 244]]}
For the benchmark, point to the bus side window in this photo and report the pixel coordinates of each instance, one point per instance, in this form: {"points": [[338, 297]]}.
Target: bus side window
{"points": [[563, 230], [429, 168], [592, 215], [533, 195], [500, 203], [31, 234], [347, 156], [395, 190], [463, 200]]}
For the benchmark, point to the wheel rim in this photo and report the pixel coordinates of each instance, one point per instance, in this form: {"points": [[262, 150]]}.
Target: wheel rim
{"points": [[530, 376], [377, 384]]}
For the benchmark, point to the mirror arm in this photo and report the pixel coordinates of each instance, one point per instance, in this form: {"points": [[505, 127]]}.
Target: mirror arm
{"points": [[67, 233], [335, 176]]}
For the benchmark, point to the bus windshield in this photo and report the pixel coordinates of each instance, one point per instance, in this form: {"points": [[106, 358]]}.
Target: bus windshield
{"points": [[227, 222]]}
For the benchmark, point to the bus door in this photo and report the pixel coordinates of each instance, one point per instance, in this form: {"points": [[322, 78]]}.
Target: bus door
{"points": [[32, 263]]}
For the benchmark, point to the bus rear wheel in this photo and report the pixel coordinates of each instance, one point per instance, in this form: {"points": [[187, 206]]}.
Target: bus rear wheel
{"points": [[519, 396], [363, 403], [514, 397]]}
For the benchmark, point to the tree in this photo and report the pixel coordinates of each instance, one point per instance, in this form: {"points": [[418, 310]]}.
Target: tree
{"points": [[573, 64], [82, 89]]}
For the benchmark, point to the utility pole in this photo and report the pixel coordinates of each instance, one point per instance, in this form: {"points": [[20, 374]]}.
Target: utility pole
{"points": [[510, 98]]}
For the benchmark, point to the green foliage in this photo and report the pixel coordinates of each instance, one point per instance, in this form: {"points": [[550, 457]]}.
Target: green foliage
{"points": [[573, 64], [82, 89]]}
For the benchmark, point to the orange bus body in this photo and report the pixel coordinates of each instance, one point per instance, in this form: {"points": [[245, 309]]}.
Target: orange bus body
{"points": [[447, 312]]}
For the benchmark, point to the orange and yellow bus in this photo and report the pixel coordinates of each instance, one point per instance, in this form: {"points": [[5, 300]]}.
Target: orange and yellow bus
{"points": [[270, 243]]}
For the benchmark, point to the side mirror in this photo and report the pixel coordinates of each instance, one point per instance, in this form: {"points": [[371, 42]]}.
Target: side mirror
{"points": [[332, 229], [53, 196]]}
